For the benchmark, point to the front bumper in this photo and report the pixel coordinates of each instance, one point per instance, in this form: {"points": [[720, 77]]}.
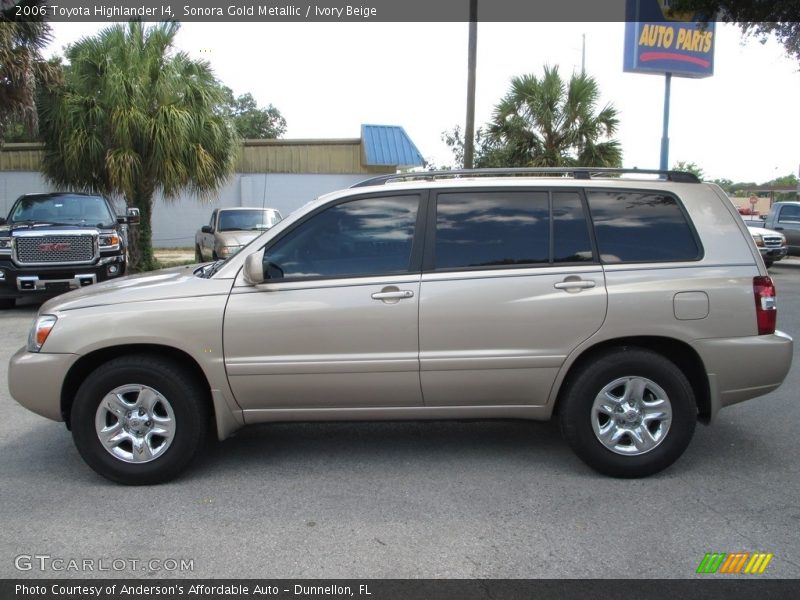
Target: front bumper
{"points": [[35, 380], [773, 254], [742, 368], [21, 282]]}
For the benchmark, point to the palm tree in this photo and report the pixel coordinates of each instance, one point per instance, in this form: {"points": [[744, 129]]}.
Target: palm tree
{"points": [[134, 118], [543, 122], [22, 68]]}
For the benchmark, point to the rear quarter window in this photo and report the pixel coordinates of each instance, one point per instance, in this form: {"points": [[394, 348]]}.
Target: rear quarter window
{"points": [[641, 227]]}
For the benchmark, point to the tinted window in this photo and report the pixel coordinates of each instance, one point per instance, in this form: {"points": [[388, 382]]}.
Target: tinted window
{"points": [[481, 229], [371, 236], [571, 241], [247, 220], [66, 209], [789, 214], [640, 227]]}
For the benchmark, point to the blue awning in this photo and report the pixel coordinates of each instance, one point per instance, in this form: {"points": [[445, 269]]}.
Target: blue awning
{"points": [[389, 145]]}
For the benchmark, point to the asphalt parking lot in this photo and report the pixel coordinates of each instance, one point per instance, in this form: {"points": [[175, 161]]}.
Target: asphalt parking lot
{"points": [[394, 500]]}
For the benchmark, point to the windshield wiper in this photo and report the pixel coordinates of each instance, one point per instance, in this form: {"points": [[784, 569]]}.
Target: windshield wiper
{"points": [[29, 223], [212, 268]]}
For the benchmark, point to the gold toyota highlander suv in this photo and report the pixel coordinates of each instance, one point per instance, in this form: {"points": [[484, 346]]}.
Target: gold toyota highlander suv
{"points": [[625, 303]]}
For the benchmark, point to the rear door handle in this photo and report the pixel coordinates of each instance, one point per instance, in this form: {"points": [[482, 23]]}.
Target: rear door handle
{"points": [[579, 284], [398, 295], [778, 228]]}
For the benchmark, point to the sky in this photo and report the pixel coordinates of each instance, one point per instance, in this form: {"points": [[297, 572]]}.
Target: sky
{"points": [[742, 123]]}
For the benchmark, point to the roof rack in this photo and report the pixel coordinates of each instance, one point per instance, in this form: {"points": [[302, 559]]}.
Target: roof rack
{"points": [[574, 172]]}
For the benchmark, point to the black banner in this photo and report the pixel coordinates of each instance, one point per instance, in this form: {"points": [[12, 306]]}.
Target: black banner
{"points": [[733, 588], [317, 10]]}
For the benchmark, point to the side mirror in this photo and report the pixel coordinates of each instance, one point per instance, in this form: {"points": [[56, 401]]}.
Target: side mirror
{"points": [[132, 215], [206, 229], [254, 268], [122, 220], [2, 220]]}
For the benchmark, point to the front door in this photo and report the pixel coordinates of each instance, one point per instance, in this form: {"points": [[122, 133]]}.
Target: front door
{"points": [[335, 325]]}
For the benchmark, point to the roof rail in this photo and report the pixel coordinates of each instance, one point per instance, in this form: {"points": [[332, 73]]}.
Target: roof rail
{"points": [[574, 172]]}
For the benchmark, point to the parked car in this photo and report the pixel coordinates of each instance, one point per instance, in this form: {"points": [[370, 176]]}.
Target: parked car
{"points": [[54, 242], [624, 305], [230, 229], [771, 244], [785, 217]]}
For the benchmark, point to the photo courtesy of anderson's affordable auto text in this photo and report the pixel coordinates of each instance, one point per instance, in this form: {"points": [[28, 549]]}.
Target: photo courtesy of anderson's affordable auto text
{"points": [[424, 300]]}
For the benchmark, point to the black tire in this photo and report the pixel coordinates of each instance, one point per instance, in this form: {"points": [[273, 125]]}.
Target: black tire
{"points": [[768, 263], [186, 398], [578, 418], [7, 303], [198, 255]]}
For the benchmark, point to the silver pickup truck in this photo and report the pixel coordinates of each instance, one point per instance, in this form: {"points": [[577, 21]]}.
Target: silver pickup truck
{"points": [[230, 229]]}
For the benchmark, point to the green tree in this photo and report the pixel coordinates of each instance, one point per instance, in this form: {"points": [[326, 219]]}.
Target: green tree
{"points": [[547, 122], [487, 152], [250, 121], [22, 69], [133, 118], [725, 184], [789, 180], [760, 18], [689, 167]]}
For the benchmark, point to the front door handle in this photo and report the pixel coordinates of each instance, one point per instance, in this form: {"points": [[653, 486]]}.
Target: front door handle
{"points": [[778, 228], [393, 295], [574, 284]]}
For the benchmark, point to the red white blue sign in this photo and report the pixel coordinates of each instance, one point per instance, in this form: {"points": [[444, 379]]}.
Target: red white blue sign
{"points": [[659, 41]]}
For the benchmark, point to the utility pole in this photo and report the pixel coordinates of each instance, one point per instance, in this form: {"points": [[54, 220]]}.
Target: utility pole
{"points": [[583, 54], [469, 130], [665, 134]]}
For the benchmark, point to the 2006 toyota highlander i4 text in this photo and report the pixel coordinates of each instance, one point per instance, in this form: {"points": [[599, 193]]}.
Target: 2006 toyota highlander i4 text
{"points": [[625, 305]]}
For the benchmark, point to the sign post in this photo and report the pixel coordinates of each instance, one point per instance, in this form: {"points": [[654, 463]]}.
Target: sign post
{"points": [[658, 41]]}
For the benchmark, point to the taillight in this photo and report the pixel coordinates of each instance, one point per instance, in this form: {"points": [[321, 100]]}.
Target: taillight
{"points": [[766, 307]]}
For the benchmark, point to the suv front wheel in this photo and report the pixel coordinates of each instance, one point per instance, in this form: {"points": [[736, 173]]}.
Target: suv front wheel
{"points": [[139, 420], [630, 412]]}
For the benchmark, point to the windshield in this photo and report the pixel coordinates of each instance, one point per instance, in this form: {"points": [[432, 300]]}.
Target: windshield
{"points": [[63, 209], [247, 220]]}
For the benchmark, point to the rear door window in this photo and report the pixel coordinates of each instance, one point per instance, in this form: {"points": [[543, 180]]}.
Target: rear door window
{"points": [[492, 229], [495, 229]]}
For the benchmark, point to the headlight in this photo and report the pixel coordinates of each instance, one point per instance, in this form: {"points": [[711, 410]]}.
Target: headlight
{"points": [[5, 245], [229, 250], [39, 332], [758, 239], [109, 240]]}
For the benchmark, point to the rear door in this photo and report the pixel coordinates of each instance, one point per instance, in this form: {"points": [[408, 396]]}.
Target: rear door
{"points": [[511, 284]]}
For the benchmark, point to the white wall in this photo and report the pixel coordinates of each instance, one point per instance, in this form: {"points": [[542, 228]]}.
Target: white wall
{"points": [[176, 222]]}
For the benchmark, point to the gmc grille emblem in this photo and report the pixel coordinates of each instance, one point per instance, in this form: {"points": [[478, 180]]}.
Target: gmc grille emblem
{"points": [[54, 247]]}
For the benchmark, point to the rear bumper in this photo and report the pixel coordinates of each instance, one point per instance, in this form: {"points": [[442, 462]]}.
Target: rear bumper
{"points": [[35, 379], [744, 367]]}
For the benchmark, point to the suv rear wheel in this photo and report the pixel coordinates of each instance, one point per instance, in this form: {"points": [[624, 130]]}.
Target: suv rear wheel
{"points": [[628, 413], [139, 420]]}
